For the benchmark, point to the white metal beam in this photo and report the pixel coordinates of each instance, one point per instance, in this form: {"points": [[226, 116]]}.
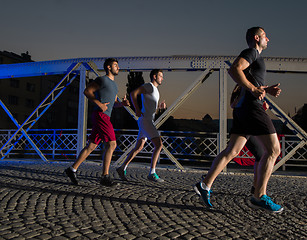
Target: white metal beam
{"points": [[82, 112], [222, 140], [185, 63]]}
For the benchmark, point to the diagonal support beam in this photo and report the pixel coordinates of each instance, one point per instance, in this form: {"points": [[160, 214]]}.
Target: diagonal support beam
{"points": [[289, 155], [184, 96], [298, 131], [41, 109], [23, 132]]}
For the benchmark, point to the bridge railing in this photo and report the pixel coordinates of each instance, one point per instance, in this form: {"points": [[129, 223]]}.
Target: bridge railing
{"points": [[61, 144]]}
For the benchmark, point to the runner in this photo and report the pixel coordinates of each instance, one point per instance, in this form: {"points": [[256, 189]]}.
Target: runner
{"points": [[147, 130], [103, 93], [249, 119]]}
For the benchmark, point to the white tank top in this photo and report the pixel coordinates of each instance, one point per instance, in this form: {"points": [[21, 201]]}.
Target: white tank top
{"points": [[150, 100]]}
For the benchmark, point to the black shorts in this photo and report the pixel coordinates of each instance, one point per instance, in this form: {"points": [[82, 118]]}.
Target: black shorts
{"points": [[252, 120]]}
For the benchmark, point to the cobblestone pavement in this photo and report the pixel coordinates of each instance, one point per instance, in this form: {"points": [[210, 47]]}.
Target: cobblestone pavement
{"points": [[38, 202]]}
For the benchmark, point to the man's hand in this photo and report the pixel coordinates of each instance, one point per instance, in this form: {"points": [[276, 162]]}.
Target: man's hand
{"points": [[104, 106], [274, 90], [162, 105], [259, 92], [125, 101]]}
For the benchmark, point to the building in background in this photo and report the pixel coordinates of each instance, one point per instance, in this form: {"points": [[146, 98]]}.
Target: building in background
{"points": [[23, 95]]}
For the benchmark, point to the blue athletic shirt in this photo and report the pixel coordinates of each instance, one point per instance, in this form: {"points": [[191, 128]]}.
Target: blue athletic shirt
{"points": [[107, 93]]}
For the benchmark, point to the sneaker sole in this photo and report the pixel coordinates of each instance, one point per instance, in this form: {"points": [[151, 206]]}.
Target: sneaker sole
{"points": [[196, 190], [267, 210], [154, 180]]}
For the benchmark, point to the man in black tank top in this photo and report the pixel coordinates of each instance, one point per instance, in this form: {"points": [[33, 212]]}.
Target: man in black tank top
{"points": [[249, 119]]}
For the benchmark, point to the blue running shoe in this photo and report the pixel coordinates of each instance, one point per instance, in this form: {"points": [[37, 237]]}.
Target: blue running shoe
{"points": [[205, 195], [154, 177], [267, 204]]}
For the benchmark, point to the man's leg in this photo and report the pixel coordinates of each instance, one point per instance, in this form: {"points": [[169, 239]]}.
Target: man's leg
{"points": [[85, 152], [106, 180], [271, 148], [157, 142], [255, 147], [107, 156], [138, 147], [271, 151], [255, 177], [131, 155], [235, 145]]}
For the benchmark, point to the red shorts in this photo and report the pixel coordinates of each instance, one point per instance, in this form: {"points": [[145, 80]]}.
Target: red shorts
{"points": [[102, 128]]}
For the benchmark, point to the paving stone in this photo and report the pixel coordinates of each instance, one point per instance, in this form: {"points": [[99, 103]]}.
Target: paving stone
{"points": [[44, 236], [93, 235], [37, 201], [32, 234], [10, 235], [72, 235]]}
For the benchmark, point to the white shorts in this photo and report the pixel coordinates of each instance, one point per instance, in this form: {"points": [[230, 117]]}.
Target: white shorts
{"points": [[147, 129]]}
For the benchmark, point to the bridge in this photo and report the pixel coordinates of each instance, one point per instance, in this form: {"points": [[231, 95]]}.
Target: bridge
{"points": [[206, 65]]}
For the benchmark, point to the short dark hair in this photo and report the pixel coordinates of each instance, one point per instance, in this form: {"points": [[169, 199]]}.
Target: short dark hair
{"points": [[108, 62], [251, 32], [154, 72]]}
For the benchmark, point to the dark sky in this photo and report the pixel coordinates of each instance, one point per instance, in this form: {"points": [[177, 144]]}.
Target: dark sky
{"points": [[63, 29]]}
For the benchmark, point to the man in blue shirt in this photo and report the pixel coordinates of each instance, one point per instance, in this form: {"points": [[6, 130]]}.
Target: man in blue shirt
{"points": [[103, 93]]}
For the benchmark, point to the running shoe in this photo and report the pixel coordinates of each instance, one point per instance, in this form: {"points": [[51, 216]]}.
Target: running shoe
{"points": [[107, 181], [72, 176], [205, 195], [122, 174], [267, 204], [154, 177]]}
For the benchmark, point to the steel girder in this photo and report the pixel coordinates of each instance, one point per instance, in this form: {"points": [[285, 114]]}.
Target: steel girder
{"points": [[37, 113], [172, 63], [185, 63]]}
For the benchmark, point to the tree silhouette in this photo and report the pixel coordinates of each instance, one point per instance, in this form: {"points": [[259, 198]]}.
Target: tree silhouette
{"points": [[135, 80]]}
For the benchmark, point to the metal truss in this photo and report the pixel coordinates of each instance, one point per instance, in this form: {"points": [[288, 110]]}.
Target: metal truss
{"points": [[23, 132], [297, 130], [172, 63], [36, 114]]}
